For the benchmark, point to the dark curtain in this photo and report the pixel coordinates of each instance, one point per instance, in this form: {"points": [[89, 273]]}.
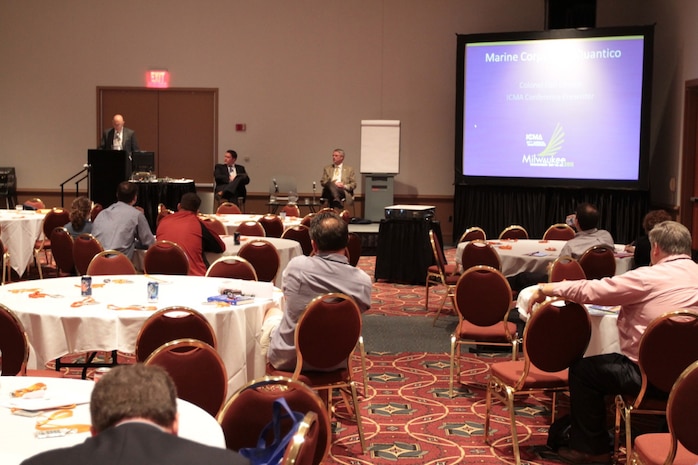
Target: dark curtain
{"points": [[494, 208]]}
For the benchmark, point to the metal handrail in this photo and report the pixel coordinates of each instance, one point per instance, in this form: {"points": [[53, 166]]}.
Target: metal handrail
{"points": [[85, 169]]}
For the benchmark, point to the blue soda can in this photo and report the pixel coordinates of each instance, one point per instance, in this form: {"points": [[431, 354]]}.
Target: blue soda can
{"points": [[153, 291], [86, 286]]}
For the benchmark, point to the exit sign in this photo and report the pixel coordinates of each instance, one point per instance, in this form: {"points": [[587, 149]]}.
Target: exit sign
{"points": [[157, 78]]}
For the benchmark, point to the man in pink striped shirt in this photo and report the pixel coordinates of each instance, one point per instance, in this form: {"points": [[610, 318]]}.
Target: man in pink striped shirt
{"points": [[671, 283]]}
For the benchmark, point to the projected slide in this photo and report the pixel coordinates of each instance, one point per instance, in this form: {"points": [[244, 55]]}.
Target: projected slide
{"points": [[554, 108]]}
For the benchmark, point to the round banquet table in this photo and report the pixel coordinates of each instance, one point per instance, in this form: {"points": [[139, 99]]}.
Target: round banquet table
{"points": [[19, 231], [535, 255], [604, 324], [17, 431], [57, 324], [231, 222]]}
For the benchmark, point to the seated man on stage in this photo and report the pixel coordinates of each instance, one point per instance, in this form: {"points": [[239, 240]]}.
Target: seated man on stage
{"points": [[135, 421], [121, 226], [338, 180], [193, 235], [230, 178]]}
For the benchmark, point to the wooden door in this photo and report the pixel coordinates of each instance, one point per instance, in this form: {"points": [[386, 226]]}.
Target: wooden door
{"points": [[179, 125]]}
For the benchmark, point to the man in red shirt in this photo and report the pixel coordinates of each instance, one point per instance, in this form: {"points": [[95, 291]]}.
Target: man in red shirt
{"points": [[190, 233]]}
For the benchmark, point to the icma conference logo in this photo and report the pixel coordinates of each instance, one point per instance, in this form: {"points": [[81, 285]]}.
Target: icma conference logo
{"points": [[548, 150]]}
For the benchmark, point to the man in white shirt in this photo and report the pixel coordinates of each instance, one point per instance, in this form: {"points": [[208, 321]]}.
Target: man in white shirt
{"points": [[586, 221]]}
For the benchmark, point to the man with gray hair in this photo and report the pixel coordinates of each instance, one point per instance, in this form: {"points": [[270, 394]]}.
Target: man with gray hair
{"points": [[134, 422], [643, 294]]}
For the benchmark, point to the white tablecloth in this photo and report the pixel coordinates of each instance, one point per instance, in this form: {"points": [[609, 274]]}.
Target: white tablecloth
{"points": [[17, 432], [19, 231], [287, 250], [604, 327], [535, 255], [232, 222], [55, 328]]}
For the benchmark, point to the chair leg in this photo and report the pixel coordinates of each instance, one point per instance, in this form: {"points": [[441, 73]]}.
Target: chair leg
{"points": [[364, 372], [512, 420], [453, 365], [357, 414]]}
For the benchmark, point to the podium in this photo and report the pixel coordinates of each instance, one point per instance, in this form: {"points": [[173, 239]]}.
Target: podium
{"points": [[108, 168]]}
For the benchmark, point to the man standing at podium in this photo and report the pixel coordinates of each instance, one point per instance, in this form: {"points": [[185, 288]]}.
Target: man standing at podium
{"points": [[119, 137], [338, 181]]}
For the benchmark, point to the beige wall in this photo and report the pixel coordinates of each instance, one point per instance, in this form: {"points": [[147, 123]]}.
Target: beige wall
{"points": [[301, 75]]}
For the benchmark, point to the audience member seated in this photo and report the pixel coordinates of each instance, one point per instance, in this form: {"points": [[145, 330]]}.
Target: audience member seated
{"points": [[586, 222], [80, 211], [135, 421], [121, 226], [338, 180], [231, 178], [640, 248], [305, 278], [643, 294], [193, 235]]}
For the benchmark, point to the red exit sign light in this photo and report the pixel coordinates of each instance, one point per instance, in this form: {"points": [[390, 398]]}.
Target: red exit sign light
{"points": [[157, 78]]}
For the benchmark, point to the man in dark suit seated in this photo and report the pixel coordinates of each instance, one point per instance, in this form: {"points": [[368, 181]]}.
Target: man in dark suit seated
{"points": [[230, 178], [119, 137], [135, 421]]}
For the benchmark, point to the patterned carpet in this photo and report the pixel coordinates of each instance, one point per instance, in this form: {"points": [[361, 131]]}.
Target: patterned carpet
{"points": [[408, 416]]}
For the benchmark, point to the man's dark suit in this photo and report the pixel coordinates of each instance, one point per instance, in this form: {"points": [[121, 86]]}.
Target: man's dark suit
{"points": [[137, 444], [231, 190], [129, 142]]}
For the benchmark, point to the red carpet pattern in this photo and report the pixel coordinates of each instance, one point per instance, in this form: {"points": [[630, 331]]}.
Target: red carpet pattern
{"points": [[408, 417]]}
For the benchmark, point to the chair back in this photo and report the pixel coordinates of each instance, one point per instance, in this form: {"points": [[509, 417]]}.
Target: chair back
{"points": [[197, 371], [556, 335], [96, 210], [62, 249], [565, 268], [169, 324], [272, 224], [483, 296], [249, 410], [682, 408], [473, 234], [166, 257], [514, 232], [215, 225], [300, 234], [233, 267], [291, 210], [5, 270], [346, 216], [251, 228], [264, 258], [337, 318], [354, 248], [598, 262], [301, 450], [307, 219], [480, 253], [228, 208], [667, 347], [110, 262], [559, 232], [13, 343], [57, 217], [438, 254], [85, 247]]}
